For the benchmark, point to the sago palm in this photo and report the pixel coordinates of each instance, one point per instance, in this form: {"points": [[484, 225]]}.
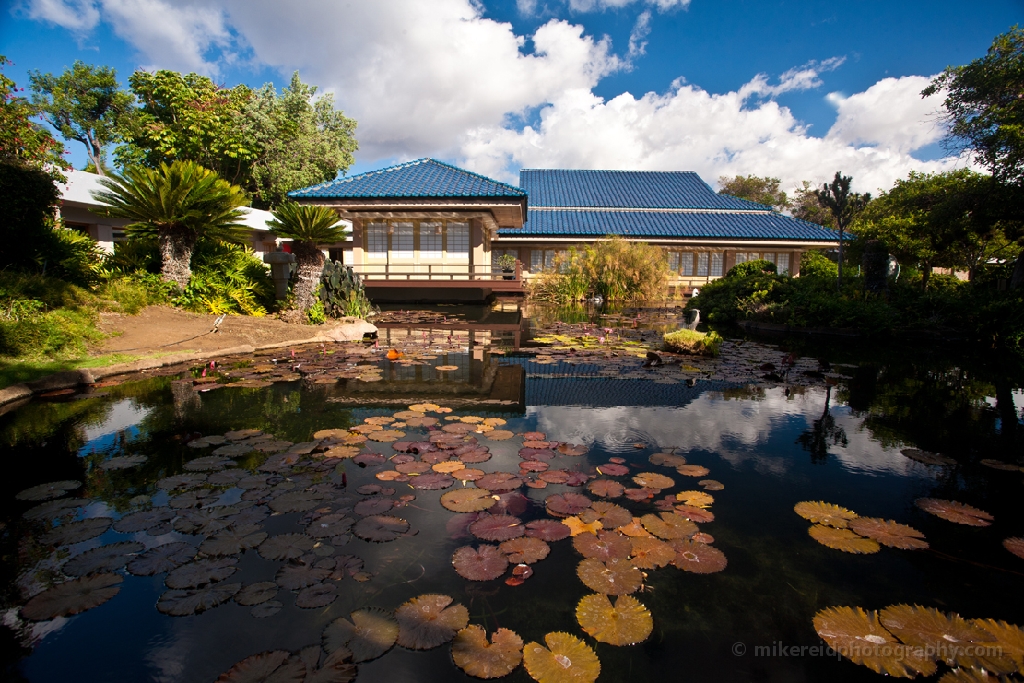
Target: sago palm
{"points": [[177, 204], [308, 227]]}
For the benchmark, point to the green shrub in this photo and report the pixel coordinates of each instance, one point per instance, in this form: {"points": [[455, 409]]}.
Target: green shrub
{"points": [[131, 293], [27, 331], [71, 256], [135, 254], [816, 264], [341, 294], [693, 342], [756, 267], [227, 278], [614, 268]]}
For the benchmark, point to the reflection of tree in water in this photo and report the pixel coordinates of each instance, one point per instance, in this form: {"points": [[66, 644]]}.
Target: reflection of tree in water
{"points": [[824, 432]]}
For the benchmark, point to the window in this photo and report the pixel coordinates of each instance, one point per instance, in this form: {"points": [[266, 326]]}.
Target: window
{"points": [[458, 240], [686, 261], [402, 240], [377, 240], [673, 261], [542, 260], [498, 253], [768, 257], [430, 240], [741, 257], [782, 264], [717, 260], [702, 264]]}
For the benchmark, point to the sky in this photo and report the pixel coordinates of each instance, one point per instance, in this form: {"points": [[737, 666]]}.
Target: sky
{"points": [[794, 89]]}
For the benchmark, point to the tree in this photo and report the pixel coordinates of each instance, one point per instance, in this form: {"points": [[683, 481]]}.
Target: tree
{"points": [[805, 206], [843, 206], [22, 142], [177, 204], [756, 189], [267, 144], [304, 141], [308, 226], [85, 103]]}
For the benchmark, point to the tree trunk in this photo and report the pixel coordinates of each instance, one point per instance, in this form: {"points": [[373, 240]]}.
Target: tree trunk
{"points": [[96, 155], [1017, 279], [309, 267], [176, 258], [839, 285], [926, 272]]}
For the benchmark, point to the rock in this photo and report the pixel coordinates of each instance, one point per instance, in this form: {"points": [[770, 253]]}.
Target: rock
{"points": [[346, 331]]}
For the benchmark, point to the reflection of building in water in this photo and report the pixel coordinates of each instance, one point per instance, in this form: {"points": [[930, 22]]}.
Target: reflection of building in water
{"points": [[474, 381], [498, 326]]}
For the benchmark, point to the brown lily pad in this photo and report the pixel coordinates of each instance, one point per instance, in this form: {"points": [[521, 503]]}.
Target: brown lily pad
{"points": [[499, 435], [668, 526], [367, 634], [107, 558], [162, 558], [201, 572], [650, 552], [525, 550], [614, 577], [54, 489], [429, 620], [820, 512], [181, 603], [478, 657], [433, 481], [566, 659], [626, 622], [499, 482], [497, 527], [566, 504], [1015, 545], [889, 533], [547, 530], [605, 488], [603, 546], [293, 577], [859, 637], [286, 546], [316, 595], [76, 532], [609, 514], [380, 528], [479, 564], [467, 500], [698, 558], [257, 593], [951, 638], [653, 480], [613, 469], [72, 597], [842, 539], [955, 512]]}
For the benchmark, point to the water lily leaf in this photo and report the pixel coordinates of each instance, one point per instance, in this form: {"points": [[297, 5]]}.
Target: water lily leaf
{"points": [[698, 499], [696, 557], [1008, 638], [668, 526], [609, 514], [122, 462], [448, 466], [566, 659], [72, 597], [574, 450], [1000, 465], [386, 435], [955, 512], [297, 501], [162, 558], [53, 509], [953, 639], [433, 481], [566, 504], [650, 552], [232, 541], [695, 514], [577, 526], [499, 435], [535, 436], [341, 452], [842, 539], [667, 459], [379, 420], [292, 577], [180, 481], [525, 550], [627, 622], [240, 434], [180, 603], [201, 572], [266, 609], [106, 558], [1015, 545], [371, 632], [467, 500], [54, 489], [373, 506], [328, 526], [497, 527], [207, 521], [266, 667], [614, 577], [693, 471], [316, 595], [469, 474], [653, 480], [286, 546], [228, 477], [547, 530], [257, 593], [479, 564], [207, 463], [446, 368], [76, 532], [498, 482], [429, 620], [604, 546], [478, 657], [859, 637], [889, 533], [605, 488], [711, 484], [380, 528], [828, 514], [613, 469], [234, 450]]}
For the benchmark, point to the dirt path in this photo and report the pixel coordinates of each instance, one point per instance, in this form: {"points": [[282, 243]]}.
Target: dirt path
{"points": [[163, 329]]}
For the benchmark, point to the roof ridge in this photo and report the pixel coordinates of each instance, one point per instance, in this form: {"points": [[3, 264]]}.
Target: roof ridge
{"points": [[378, 173], [475, 174], [601, 170]]}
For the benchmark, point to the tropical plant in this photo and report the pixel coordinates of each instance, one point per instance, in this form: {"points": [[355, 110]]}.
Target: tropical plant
{"points": [[843, 205], [341, 294], [228, 278], [308, 226], [751, 268], [507, 262], [805, 205], [756, 189], [85, 103], [22, 142], [177, 204]]}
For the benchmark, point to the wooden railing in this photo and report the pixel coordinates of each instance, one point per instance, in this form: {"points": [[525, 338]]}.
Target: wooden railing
{"points": [[438, 272]]}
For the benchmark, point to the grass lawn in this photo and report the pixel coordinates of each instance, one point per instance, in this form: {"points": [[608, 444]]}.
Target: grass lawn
{"points": [[14, 371]]}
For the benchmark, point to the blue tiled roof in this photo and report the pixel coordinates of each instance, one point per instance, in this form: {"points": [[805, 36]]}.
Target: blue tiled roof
{"points": [[665, 224], [632, 189], [420, 178]]}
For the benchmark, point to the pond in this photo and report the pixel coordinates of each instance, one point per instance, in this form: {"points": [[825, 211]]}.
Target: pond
{"points": [[303, 503]]}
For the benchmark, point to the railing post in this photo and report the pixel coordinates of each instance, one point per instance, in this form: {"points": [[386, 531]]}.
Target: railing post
{"points": [[519, 270]]}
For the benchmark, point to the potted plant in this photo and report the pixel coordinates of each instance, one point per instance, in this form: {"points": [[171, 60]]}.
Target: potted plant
{"points": [[507, 263]]}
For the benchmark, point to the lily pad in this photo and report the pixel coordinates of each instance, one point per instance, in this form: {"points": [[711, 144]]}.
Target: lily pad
{"points": [[668, 526], [266, 667], [53, 509], [478, 657], [72, 597], [650, 552], [566, 504], [497, 527], [54, 489], [292, 577], [429, 620], [499, 435], [653, 480], [955, 512], [1015, 545], [699, 558], [889, 533], [525, 550], [667, 459], [820, 512], [615, 577], [952, 639], [122, 462], [612, 469], [181, 603], [566, 659], [328, 526], [609, 514], [76, 532], [107, 558], [626, 622], [380, 528], [373, 506], [842, 539], [201, 572], [286, 546], [370, 633], [547, 530], [499, 482], [316, 595], [232, 541], [257, 593], [162, 558], [433, 481], [605, 488], [603, 546], [479, 564], [858, 636], [467, 500], [208, 463], [266, 609], [297, 501]]}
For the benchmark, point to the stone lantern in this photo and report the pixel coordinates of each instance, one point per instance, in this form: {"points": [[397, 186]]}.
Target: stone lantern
{"points": [[280, 270]]}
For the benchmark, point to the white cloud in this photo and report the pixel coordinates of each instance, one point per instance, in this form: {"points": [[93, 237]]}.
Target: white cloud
{"points": [[76, 15], [641, 29], [891, 114], [592, 5]]}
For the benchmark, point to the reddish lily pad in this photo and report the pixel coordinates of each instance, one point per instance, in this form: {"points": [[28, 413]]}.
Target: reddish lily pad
{"points": [[497, 527], [566, 504], [380, 528], [429, 620], [479, 564], [367, 634]]}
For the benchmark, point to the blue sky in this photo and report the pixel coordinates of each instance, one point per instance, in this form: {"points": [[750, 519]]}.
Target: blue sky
{"points": [[795, 89]]}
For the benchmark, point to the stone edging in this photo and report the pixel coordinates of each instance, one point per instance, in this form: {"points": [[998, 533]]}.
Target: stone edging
{"points": [[71, 379]]}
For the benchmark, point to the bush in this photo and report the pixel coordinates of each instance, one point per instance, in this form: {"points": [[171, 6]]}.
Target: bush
{"points": [[756, 267], [135, 254], [227, 278], [30, 197], [693, 342], [131, 293], [44, 317], [613, 268], [71, 256], [816, 264], [341, 294]]}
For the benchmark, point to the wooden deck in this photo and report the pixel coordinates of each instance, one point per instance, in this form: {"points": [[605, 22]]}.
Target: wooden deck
{"points": [[438, 283]]}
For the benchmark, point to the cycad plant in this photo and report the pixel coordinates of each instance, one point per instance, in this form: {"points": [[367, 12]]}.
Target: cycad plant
{"points": [[308, 227], [177, 204]]}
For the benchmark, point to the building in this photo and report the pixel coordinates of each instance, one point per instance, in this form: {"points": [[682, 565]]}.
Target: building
{"points": [[445, 228]]}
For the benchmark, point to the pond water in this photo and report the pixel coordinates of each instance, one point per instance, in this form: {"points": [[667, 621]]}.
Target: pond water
{"points": [[771, 425]]}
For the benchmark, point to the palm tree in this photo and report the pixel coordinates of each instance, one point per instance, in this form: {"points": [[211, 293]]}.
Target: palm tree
{"points": [[837, 199], [308, 226], [177, 204]]}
